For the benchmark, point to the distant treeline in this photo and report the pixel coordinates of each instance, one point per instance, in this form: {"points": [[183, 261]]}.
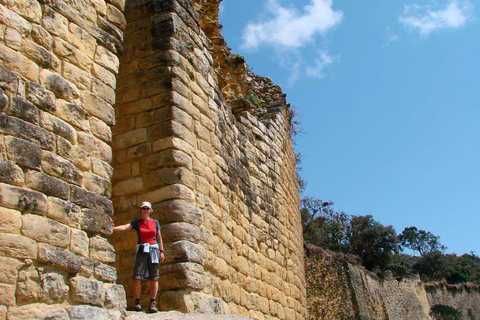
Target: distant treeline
{"points": [[380, 248]]}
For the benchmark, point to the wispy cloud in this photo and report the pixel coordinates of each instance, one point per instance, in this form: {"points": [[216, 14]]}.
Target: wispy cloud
{"points": [[429, 18], [287, 30]]}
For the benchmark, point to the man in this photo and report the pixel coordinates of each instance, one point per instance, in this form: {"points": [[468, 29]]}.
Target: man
{"points": [[149, 254]]}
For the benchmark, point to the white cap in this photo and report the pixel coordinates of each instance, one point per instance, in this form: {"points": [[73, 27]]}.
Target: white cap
{"points": [[146, 204]]}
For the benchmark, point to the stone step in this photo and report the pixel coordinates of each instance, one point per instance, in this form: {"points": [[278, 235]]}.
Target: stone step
{"points": [[175, 315]]}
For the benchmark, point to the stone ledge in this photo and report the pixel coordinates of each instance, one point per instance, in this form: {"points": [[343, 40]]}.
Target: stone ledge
{"points": [[175, 315]]}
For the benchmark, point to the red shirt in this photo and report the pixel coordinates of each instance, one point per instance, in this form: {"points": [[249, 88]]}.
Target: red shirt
{"points": [[146, 230]]}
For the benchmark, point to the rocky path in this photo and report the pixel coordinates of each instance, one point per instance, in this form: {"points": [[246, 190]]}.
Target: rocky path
{"points": [[175, 315]]}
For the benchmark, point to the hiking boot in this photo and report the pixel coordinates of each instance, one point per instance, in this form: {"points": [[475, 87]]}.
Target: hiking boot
{"points": [[137, 307], [152, 308]]}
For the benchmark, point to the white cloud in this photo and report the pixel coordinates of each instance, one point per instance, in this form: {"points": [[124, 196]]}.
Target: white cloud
{"points": [[324, 60], [426, 19], [290, 28]]}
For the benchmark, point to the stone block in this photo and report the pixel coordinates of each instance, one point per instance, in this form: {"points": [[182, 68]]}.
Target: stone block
{"points": [[81, 39], [174, 191], [115, 297], [105, 273], [167, 158], [177, 210], [73, 114], [54, 288], [58, 126], [41, 36], [45, 230], [168, 176], [101, 250], [3, 101], [64, 212], [185, 275], [89, 312], [17, 246], [24, 110], [101, 130], [178, 231], [27, 131], [28, 9], [58, 257], [71, 54], [37, 311], [184, 251], [96, 221], [11, 173], [23, 153], [22, 200], [14, 20], [107, 59], [17, 62], [116, 17], [98, 108], [97, 184], [40, 96], [59, 86], [13, 39], [9, 270], [74, 154], [87, 267], [102, 169], [79, 242], [55, 23], [3, 312], [86, 291], [46, 184], [40, 55], [29, 288], [7, 294], [94, 147], [10, 220], [103, 91], [104, 75], [77, 76], [9, 80], [128, 187], [130, 138]]}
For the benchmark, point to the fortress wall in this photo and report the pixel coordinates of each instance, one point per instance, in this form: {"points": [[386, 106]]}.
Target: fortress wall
{"points": [[58, 61], [219, 169], [465, 298]]}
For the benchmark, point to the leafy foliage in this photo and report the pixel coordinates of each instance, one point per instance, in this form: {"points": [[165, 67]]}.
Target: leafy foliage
{"points": [[420, 240], [444, 312]]}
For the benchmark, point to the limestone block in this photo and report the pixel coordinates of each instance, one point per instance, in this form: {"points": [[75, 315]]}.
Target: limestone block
{"points": [[40, 55], [7, 294], [40, 96], [23, 153], [99, 6], [13, 39], [140, 106], [98, 108], [17, 246], [104, 75], [77, 76], [168, 176], [87, 291], [96, 221], [58, 257], [9, 270], [81, 39], [11, 173], [77, 156], [73, 114], [54, 288], [41, 36], [116, 17], [22, 200], [17, 62], [169, 157], [10, 221], [14, 20], [175, 191], [138, 151], [87, 267], [64, 212], [184, 251], [37, 311], [58, 126], [45, 230], [88, 312], [59, 86], [101, 130], [29, 288], [71, 54], [97, 184], [3, 312], [181, 276], [79, 243], [55, 23], [102, 169], [24, 110], [47, 184], [107, 59], [130, 138], [94, 146], [101, 250], [105, 273], [115, 297], [29, 9]]}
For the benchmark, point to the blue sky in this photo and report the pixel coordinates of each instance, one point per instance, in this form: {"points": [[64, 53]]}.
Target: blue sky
{"points": [[389, 98]]}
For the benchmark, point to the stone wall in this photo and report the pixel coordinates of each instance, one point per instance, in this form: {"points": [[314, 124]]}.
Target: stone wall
{"points": [[104, 104], [58, 61], [218, 166], [465, 298]]}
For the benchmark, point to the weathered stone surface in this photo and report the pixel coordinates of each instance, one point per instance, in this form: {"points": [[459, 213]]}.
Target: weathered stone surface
{"points": [[29, 9], [107, 59], [10, 221], [115, 297], [54, 288], [58, 257], [59, 86], [87, 267], [81, 79], [40, 55], [24, 110], [104, 75], [178, 231], [96, 221], [47, 184], [11, 173], [13, 39], [60, 168], [22, 200], [74, 154], [17, 62], [37, 311], [27, 131], [98, 108], [7, 294], [73, 114], [71, 54], [41, 36], [182, 275], [29, 288], [64, 212], [105, 273], [184, 251], [101, 250], [40, 96], [9, 270], [116, 17], [81, 39], [46, 230], [17, 246], [14, 20], [87, 291], [79, 243], [95, 147], [102, 168], [58, 126], [55, 23], [101, 130], [24, 152], [88, 312]]}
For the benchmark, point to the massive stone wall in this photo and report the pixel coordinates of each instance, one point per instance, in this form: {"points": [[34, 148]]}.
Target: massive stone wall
{"points": [[465, 298], [194, 133]]}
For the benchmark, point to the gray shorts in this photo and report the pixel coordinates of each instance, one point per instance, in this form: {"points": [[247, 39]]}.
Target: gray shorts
{"points": [[143, 263]]}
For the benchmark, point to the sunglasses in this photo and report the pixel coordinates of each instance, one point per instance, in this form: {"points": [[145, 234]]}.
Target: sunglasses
{"points": [[145, 208]]}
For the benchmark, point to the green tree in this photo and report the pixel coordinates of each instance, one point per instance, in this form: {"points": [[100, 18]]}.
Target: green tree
{"points": [[420, 240], [434, 266], [373, 242]]}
